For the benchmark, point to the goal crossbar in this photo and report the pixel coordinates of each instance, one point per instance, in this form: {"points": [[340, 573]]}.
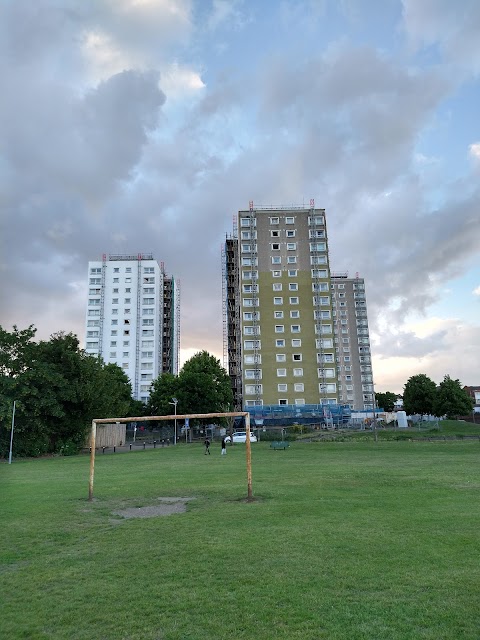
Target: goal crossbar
{"points": [[226, 414]]}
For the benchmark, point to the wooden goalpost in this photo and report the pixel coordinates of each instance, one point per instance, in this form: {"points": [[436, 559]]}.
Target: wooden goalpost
{"points": [[227, 414]]}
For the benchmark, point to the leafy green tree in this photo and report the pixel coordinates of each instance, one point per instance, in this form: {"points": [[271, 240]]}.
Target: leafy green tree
{"points": [[452, 400], [58, 390], [204, 385], [419, 395], [163, 389], [386, 401]]}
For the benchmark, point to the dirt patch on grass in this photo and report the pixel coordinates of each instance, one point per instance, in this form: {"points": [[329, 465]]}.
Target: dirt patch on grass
{"points": [[166, 507]]}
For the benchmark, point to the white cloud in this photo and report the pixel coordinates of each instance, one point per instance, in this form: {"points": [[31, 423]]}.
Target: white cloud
{"points": [[475, 150], [476, 291]]}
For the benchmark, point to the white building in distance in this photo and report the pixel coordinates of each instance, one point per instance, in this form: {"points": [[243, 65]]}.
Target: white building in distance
{"points": [[133, 318]]}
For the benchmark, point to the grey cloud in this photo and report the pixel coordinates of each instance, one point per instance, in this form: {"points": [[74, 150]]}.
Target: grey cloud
{"points": [[453, 26], [405, 344]]}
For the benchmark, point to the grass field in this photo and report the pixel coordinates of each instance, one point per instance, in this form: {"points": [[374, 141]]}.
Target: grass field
{"points": [[343, 541]]}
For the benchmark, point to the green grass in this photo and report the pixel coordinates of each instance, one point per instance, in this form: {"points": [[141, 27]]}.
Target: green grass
{"points": [[350, 541]]}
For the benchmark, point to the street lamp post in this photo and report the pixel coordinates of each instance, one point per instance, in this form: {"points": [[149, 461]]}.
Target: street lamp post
{"points": [[175, 402]]}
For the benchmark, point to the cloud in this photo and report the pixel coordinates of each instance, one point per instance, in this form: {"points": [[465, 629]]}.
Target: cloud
{"points": [[475, 150], [456, 337], [476, 291], [120, 134], [452, 27]]}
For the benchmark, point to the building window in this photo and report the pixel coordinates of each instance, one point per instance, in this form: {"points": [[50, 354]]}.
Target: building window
{"points": [[296, 342], [95, 270], [282, 387], [252, 344], [295, 328], [326, 373], [147, 322], [145, 332], [276, 274], [274, 220], [295, 314], [319, 273], [293, 300], [278, 301], [289, 220], [291, 246], [276, 260], [281, 373], [324, 343], [253, 389], [291, 259], [252, 374], [279, 328], [290, 233], [116, 270], [251, 331], [298, 387], [292, 273], [280, 357], [283, 401], [275, 233], [278, 314], [293, 286], [298, 372], [253, 359], [318, 259], [92, 345], [330, 387], [113, 332], [325, 357], [277, 286], [280, 342], [297, 357], [148, 301], [113, 354]]}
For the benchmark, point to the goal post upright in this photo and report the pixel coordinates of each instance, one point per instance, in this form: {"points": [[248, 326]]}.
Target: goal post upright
{"points": [[226, 414]]}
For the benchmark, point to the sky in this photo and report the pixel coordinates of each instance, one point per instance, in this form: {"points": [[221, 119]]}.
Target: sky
{"points": [[143, 126]]}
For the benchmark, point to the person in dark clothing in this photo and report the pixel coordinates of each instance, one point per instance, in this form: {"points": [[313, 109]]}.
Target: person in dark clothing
{"points": [[224, 447], [207, 446]]}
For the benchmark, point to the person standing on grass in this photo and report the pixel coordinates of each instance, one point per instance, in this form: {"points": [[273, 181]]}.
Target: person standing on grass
{"points": [[224, 447], [207, 446]]}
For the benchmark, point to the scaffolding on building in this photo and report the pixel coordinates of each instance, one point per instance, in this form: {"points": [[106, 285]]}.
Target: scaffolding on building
{"points": [[323, 415], [319, 260], [102, 305], [231, 316], [252, 218]]}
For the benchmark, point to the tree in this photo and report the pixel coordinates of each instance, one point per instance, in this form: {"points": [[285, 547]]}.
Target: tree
{"points": [[204, 385], [58, 390], [451, 400], [163, 389], [386, 401], [419, 395]]}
